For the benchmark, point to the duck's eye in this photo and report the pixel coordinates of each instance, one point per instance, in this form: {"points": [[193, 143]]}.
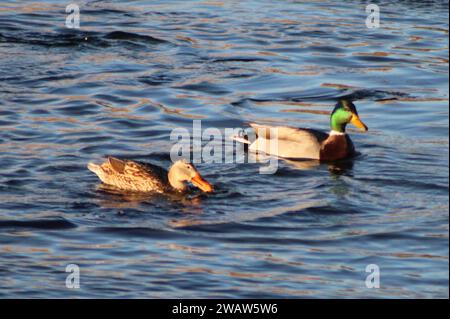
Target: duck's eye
{"points": [[188, 166]]}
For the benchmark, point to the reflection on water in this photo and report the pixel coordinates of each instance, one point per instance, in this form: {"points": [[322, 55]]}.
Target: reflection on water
{"points": [[303, 164], [336, 167], [138, 69], [112, 197]]}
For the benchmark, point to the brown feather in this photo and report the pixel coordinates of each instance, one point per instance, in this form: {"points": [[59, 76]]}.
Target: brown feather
{"points": [[117, 164], [336, 147]]}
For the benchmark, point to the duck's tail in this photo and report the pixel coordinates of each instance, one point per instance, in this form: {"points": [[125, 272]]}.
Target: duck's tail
{"points": [[240, 139], [94, 168]]}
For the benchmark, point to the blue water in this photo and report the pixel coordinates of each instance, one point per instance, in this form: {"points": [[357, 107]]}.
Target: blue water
{"points": [[135, 70]]}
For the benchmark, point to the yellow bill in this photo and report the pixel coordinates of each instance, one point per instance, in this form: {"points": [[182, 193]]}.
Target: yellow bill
{"points": [[356, 121]]}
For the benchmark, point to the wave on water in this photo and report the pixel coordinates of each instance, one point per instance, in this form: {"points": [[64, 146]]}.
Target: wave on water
{"points": [[137, 70], [66, 38], [328, 95]]}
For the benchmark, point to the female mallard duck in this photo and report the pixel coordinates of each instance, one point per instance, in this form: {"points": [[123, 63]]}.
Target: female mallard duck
{"points": [[134, 176], [303, 143]]}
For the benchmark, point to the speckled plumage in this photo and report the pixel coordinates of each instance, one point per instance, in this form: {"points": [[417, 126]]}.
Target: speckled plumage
{"points": [[132, 176]]}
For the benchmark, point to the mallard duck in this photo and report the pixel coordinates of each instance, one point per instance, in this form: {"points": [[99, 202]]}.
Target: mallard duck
{"points": [[296, 143], [142, 177]]}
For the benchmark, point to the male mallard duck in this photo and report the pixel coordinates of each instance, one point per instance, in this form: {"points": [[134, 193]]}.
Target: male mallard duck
{"points": [[134, 176], [308, 143]]}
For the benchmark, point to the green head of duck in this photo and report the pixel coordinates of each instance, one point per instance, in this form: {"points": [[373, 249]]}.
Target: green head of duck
{"points": [[344, 113]]}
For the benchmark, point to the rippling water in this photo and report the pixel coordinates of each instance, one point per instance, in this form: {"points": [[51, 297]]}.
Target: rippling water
{"points": [[138, 69]]}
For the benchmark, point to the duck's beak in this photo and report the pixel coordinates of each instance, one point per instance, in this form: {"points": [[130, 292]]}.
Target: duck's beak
{"points": [[356, 121], [202, 184]]}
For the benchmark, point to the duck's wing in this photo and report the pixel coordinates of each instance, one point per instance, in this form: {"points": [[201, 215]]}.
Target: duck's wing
{"points": [[288, 142], [154, 171], [139, 172], [117, 165], [131, 175], [288, 133], [129, 167]]}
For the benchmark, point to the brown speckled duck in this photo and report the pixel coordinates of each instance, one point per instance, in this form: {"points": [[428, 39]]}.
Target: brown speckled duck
{"points": [[300, 143], [142, 177]]}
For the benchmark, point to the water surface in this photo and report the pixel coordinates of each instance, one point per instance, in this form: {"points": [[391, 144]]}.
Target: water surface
{"points": [[135, 70]]}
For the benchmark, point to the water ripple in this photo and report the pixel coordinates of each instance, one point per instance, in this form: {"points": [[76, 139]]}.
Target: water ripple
{"points": [[138, 69]]}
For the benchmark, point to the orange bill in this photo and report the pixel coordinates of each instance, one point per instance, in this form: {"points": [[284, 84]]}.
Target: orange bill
{"points": [[356, 121], [202, 184]]}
